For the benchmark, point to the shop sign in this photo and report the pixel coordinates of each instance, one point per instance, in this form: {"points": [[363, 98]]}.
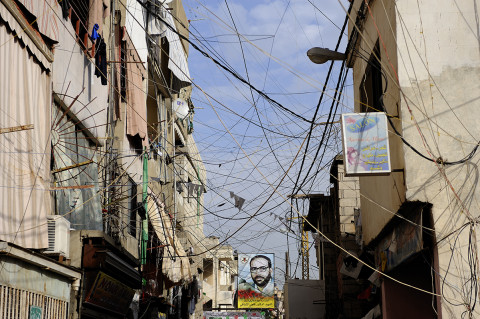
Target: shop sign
{"points": [[35, 312], [256, 281], [365, 143], [110, 294], [404, 241], [233, 315]]}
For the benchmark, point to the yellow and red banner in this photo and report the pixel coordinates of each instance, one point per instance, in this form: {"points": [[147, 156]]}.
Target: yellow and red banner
{"points": [[256, 281]]}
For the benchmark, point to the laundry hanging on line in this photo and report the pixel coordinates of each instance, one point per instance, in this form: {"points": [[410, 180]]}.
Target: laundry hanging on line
{"points": [[194, 189], [95, 34], [101, 60], [238, 201]]}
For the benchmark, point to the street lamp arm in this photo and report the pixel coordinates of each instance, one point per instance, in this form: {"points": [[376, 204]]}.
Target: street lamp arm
{"points": [[322, 55]]}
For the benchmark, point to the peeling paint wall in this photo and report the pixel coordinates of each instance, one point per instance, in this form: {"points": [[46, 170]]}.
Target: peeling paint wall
{"points": [[430, 54], [21, 275], [73, 72], [304, 299], [439, 64]]}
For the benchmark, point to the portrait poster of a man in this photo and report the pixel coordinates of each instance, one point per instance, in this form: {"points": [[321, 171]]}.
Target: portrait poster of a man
{"points": [[256, 281]]}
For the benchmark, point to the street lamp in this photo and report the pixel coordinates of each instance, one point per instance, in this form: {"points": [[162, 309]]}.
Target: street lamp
{"points": [[322, 55]]}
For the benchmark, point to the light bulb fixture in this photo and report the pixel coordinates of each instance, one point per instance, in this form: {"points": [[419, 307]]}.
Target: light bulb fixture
{"points": [[322, 55]]}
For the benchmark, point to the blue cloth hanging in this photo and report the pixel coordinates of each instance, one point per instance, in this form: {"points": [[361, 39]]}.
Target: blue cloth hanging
{"points": [[95, 34]]}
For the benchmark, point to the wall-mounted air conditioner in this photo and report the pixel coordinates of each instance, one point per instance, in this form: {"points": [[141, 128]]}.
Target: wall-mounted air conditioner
{"points": [[58, 236]]}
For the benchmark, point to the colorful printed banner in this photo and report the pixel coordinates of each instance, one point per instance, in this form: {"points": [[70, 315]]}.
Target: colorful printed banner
{"points": [[233, 315], [256, 281], [365, 143], [405, 240]]}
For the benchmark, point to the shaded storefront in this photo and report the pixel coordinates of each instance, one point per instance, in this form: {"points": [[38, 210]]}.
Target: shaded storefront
{"points": [[110, 280], [31, 283], [405, 251]]}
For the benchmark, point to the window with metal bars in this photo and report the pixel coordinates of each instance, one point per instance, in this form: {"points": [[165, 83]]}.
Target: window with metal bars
{"points": [[371, 88]]}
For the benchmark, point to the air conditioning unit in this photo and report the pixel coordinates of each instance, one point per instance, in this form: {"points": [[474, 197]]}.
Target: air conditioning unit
{"points": [[58, 236]]}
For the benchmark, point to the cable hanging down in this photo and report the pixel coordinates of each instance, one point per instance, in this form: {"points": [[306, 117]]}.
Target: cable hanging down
{"points": [[439, 160]]}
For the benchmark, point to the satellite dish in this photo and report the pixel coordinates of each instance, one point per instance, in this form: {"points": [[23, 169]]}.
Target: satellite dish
{"points": [[181, 108]]}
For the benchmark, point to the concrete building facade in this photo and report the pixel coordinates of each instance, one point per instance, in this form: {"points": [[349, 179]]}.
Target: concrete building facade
{"points": [[418, 63], [107, 217], [220, 270], [334, 218]]}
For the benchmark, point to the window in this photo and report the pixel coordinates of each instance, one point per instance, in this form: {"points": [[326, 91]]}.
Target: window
{"points": [[178, 139], [74, 170], [132, 207], [78, 13], [371, 88]]}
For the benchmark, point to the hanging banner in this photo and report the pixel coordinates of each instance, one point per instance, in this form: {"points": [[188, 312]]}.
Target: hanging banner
{"points": [[256, 281], [405, 240], [365, 143], [233, 315], [109, 293]]}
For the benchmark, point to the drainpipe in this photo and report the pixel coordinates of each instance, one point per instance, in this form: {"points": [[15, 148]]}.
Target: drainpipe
{"points": [[215, 268], [75, 299], [144, 239], [174, 181], [198, 197]]}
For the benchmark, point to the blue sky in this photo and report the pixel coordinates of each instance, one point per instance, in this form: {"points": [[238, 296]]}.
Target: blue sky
{"points": [[246, 142]]}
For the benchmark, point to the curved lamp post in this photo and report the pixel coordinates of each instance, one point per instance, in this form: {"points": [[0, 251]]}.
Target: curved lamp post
{"points": [[322, 55]]}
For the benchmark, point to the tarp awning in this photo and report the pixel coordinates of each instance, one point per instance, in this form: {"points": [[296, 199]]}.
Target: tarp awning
{"points": [[20, 33], [177, 61], [47, 20], [25, 100]]}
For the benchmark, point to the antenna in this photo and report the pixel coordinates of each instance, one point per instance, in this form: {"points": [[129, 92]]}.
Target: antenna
{"points": [[181, 108]]}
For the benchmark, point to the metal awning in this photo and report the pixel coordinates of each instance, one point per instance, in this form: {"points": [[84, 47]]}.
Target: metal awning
{"points": [[11, 15], [129, 273]]}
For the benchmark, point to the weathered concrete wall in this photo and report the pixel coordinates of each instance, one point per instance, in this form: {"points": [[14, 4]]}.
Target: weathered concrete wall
{"points": [[192, 168], [21, 275], [130, 161], [349, 199], [439, 66], [181, 21], [73, 72], [219, 290], [134, 23], [304, 299]]}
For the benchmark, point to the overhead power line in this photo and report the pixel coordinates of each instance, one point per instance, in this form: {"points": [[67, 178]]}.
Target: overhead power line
{"points": [[236, 75]]}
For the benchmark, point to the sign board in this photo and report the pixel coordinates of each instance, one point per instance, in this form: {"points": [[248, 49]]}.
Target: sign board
{"points": [[256, 281], [233, 315], [110, 294], [35, 312], [365, 143], [405, 240]]}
